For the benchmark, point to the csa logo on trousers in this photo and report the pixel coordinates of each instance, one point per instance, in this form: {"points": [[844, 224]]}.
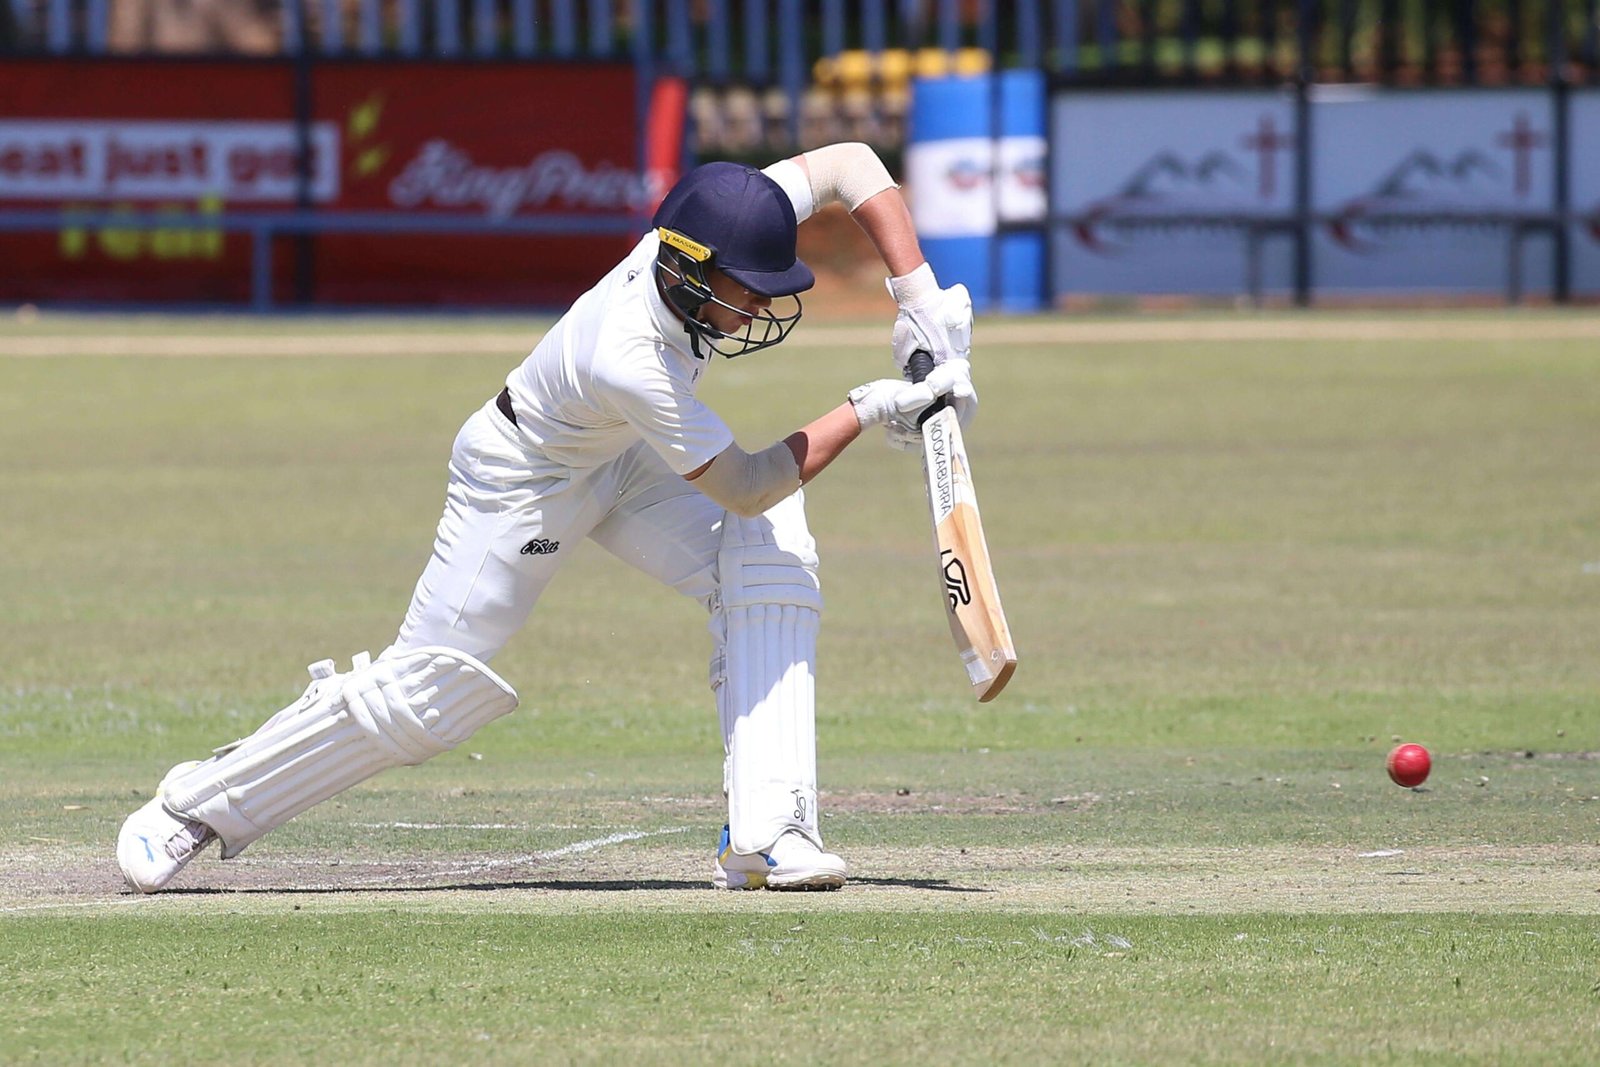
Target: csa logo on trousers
{"points": [[540, 546]]}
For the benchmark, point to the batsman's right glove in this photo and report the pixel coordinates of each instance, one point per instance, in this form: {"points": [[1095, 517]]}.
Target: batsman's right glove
{"points": [[895, 404]]}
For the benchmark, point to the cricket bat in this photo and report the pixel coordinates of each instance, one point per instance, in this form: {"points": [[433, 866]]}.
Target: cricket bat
{"points": [[966, 576]]}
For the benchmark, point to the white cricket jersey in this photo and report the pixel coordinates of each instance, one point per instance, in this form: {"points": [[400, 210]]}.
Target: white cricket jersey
{"points": [[616, 369]]}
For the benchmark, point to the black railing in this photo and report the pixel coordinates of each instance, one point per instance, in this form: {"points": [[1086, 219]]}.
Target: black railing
{"points": [[777, 74], [749, 42]]}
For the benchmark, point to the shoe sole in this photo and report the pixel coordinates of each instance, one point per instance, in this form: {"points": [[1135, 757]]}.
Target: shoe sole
{"points": [[821, 877], [822, 883]]}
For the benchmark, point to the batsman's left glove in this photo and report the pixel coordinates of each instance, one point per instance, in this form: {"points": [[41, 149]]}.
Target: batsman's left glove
{"points": [[937, 321]]}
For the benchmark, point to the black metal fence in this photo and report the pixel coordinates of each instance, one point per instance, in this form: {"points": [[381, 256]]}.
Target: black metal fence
{"points": [[785, 73]]}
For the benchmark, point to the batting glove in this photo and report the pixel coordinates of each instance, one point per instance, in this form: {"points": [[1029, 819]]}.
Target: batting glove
{"points": [[937, 321], [896, 405], [953, 381]]}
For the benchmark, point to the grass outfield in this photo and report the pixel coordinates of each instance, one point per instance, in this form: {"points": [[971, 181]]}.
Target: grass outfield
{"points": [[1242, 556]]}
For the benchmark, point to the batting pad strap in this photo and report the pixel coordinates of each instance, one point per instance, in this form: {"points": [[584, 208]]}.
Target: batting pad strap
{"points": [[386, 714], [770, 558]]}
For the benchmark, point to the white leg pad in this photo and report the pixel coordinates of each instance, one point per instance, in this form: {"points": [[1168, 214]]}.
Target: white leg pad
{"points": [[386, 714], [764, 621], [325, 678]]}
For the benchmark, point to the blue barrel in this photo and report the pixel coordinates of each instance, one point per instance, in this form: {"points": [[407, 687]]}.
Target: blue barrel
{"points": [[975, 165], [949, 168], [1023, 191]]}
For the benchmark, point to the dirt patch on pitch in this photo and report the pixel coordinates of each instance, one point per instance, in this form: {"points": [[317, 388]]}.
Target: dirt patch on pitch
{"points": [[909, 802], [668, 869], [606, 858]]}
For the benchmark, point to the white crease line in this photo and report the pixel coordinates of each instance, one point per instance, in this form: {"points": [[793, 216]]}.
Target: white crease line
{"points": [[531, 857], [476, 868], [440, 826]]}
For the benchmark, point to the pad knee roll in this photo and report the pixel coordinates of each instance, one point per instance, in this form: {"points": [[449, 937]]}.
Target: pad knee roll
{"points": [[386, 714], [764, 621]]}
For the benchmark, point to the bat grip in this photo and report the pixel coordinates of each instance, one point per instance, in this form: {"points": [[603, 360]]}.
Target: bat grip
{"points": [[918, 367]]}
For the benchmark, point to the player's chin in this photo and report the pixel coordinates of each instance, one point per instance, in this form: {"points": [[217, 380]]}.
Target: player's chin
{"points": [[729, 322]]}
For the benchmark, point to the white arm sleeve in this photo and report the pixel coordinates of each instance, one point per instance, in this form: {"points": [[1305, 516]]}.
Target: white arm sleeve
{"points": [[747, 483], [792, 180], [850, 173]]}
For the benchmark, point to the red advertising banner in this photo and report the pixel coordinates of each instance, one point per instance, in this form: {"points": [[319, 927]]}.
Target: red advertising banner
{"points": [[479, 142]]}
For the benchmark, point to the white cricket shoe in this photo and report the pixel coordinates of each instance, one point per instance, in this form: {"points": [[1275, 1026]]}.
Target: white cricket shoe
{"points": [[154, 844], [793, 862]]}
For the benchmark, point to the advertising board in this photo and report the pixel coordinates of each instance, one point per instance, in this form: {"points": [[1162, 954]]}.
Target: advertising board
{"points": [[481, 142], [1385, 162], [1409, 192], [1148, 190]]}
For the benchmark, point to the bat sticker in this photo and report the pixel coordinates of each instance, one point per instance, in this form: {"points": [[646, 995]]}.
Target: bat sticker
{"points": [[955, 580]]}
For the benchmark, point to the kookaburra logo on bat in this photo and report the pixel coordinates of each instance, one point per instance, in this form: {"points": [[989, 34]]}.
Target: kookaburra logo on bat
{"points": [[955, 580]]}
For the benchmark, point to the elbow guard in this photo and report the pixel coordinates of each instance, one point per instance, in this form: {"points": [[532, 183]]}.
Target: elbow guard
{"points": [[747, 484]]}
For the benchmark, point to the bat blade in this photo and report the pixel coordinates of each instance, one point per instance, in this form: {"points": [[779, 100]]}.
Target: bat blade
{"points": [[971, 597]]}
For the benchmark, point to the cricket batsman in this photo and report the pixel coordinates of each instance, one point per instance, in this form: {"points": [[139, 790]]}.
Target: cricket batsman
{"points": [[599, 434]]}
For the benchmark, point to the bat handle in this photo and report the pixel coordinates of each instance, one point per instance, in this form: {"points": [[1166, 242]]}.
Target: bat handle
{"points": [[918, 367]]}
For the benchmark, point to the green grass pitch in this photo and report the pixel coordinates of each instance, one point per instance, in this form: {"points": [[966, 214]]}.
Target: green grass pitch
{"points": [[1242, 556]]}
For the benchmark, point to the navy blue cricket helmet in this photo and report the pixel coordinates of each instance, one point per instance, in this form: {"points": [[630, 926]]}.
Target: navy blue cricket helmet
{"points": [[737, 220]]}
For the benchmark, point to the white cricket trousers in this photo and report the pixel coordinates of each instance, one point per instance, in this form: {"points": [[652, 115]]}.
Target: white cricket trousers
{"points": [[506, 532]]}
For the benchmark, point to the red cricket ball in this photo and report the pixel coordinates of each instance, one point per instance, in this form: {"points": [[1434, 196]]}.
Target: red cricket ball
{"points": [[1409, 765]]}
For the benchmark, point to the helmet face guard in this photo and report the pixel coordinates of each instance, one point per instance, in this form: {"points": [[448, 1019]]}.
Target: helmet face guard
{"points": [[682, 268]]}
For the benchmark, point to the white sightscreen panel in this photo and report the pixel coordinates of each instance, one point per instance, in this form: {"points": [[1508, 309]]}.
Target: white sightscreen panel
{"points": [[1120, 161], [1427, 151], [1584, 191]]}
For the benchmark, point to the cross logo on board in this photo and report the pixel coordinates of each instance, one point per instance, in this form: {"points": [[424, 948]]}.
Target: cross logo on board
{"points": [[1266, 142], [1522, 139]]}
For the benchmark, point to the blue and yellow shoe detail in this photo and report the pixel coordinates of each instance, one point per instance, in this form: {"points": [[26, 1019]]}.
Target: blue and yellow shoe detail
{"points": [[752, 879]]}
